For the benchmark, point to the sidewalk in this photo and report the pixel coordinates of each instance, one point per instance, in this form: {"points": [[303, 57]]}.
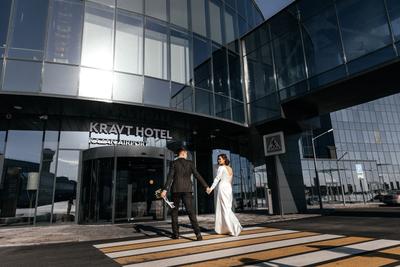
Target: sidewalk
{"points": [[24, 236]]}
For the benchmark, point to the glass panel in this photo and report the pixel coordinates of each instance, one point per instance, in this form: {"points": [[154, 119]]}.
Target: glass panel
{"points": [[238, 111], [60, 79], [31, 72], [364, 26], [242, 26], [204, 102], [98, 36], [131, 5], [231, 31], [64, 209], [156, 92], [222, 107], [232, 3], [394, 14], [95, 83], [74, 140], [179, 12], [199, 25], [289, 59], [216, 23], [129, 43], [202, 62], [241, 8], [180, 57], [128, 87], [181, 97], [220, 70], [47, 175], [156, 51], [5, 7], [29, 29], [20, 177], [65, 32], [250, 13], [156, 8], [235, 77], [321, 40]]}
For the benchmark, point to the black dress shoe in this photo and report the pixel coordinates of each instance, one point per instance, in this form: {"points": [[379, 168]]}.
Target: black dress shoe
{"points": [[175, 237], [199, 237]]}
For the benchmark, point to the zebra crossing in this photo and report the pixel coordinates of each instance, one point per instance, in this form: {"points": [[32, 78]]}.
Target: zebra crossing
{"points": [[256, 246]]}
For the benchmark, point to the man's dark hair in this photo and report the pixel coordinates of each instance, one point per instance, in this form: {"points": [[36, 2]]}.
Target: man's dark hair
{"points": [[181, 149]]}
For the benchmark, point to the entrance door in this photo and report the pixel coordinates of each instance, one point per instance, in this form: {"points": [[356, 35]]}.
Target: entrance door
{"points": [[118, 184]]}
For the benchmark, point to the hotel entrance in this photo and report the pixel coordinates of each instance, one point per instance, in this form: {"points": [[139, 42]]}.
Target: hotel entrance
{"points": [[118, 184]]}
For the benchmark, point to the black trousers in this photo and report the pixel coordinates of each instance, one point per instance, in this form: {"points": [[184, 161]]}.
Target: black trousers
{"points": [[187, 201]]}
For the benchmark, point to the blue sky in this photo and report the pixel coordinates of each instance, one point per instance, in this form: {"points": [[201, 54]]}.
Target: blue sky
{"points": [[271, 7]]}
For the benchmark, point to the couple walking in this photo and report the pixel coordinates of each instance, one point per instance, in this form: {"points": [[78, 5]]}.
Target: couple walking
{"points": [[179, 180]]}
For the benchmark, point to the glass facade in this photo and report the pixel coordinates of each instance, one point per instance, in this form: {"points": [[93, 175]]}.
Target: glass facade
{"points": [[110, 50], [314, 43]]}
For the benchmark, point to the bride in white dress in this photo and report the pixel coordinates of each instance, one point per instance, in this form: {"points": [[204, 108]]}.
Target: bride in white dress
{"points": [[225, 220]]}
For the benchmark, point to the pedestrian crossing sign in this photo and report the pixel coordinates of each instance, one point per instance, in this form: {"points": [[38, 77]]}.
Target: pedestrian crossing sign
{"points": [[274, 144]]}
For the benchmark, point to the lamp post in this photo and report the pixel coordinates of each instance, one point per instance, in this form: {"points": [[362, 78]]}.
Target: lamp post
{"points": [[340, 178], [315, 168]]}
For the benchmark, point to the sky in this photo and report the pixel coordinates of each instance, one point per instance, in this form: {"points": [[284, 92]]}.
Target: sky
{"points": [[271, 7]]}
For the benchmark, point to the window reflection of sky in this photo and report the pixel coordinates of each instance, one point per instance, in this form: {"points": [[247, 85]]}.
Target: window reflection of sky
{"points": [[24, 145]]}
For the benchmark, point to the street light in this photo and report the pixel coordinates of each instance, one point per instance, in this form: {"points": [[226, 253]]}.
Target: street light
{"points": [[340, 178], [315, 168]]}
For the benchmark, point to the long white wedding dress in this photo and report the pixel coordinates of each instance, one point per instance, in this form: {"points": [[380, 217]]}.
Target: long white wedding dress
{"points": [[225, 220]]}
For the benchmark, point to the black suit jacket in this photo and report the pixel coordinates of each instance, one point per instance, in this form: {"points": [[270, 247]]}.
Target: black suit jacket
{"points": [[179, 175]]}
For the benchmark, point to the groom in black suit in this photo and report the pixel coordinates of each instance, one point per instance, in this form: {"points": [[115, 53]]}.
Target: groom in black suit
{"points": [[179, 177]]}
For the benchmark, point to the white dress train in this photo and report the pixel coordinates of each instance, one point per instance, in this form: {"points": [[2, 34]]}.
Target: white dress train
{"points": [[225, 220]]}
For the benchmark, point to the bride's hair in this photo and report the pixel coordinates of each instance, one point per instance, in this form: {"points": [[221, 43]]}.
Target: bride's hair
{"points": [[225, 157]]}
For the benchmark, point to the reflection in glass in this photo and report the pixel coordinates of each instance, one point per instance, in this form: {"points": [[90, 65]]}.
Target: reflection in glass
{"points": [[157, 9], [156, 92], [65, 32], [204, 102], [98, 35], [222, 107], [363, 25], [60, 79], [95, 83], [231, 31], [5, 7], [199, 25], [216, 23], [74, 140], [129, 43], [29, 29], [321, 41], [156, 51], [394, 14], [235, 78], [179, 13], [64, 207], [180, 57], [202, 62], [181, 97], [128, 87], [220, 70], [47, 175], [238, 111], [131, 5], [31, 72], [20, 176]]}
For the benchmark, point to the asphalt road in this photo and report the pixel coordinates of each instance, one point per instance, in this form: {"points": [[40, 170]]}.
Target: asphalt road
{"points": [[381, 223]]}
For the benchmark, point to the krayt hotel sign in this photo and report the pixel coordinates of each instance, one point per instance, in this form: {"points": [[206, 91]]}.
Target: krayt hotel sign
{"points": [[127, 130]]}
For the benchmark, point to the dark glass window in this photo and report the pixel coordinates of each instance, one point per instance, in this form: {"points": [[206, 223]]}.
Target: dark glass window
{"points": [[322, 42], [243, 27], [202, 62], [199, 25], [29, 29], [222, 107], [31, 71], [394, 14], [156, 92], [235, 78], [131, 5], [231, 30], [179, 12], [241, 8], [363, 25], [220, 70], [250, 10], [204, 102], [5, 7], [181, 97], [156, 50], [156, 8], [238, 111], [60, 79], [216, 23], [65, 31]]}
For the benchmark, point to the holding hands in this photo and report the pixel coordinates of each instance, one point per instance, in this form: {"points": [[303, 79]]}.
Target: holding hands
{"points": [[208, 190]]}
